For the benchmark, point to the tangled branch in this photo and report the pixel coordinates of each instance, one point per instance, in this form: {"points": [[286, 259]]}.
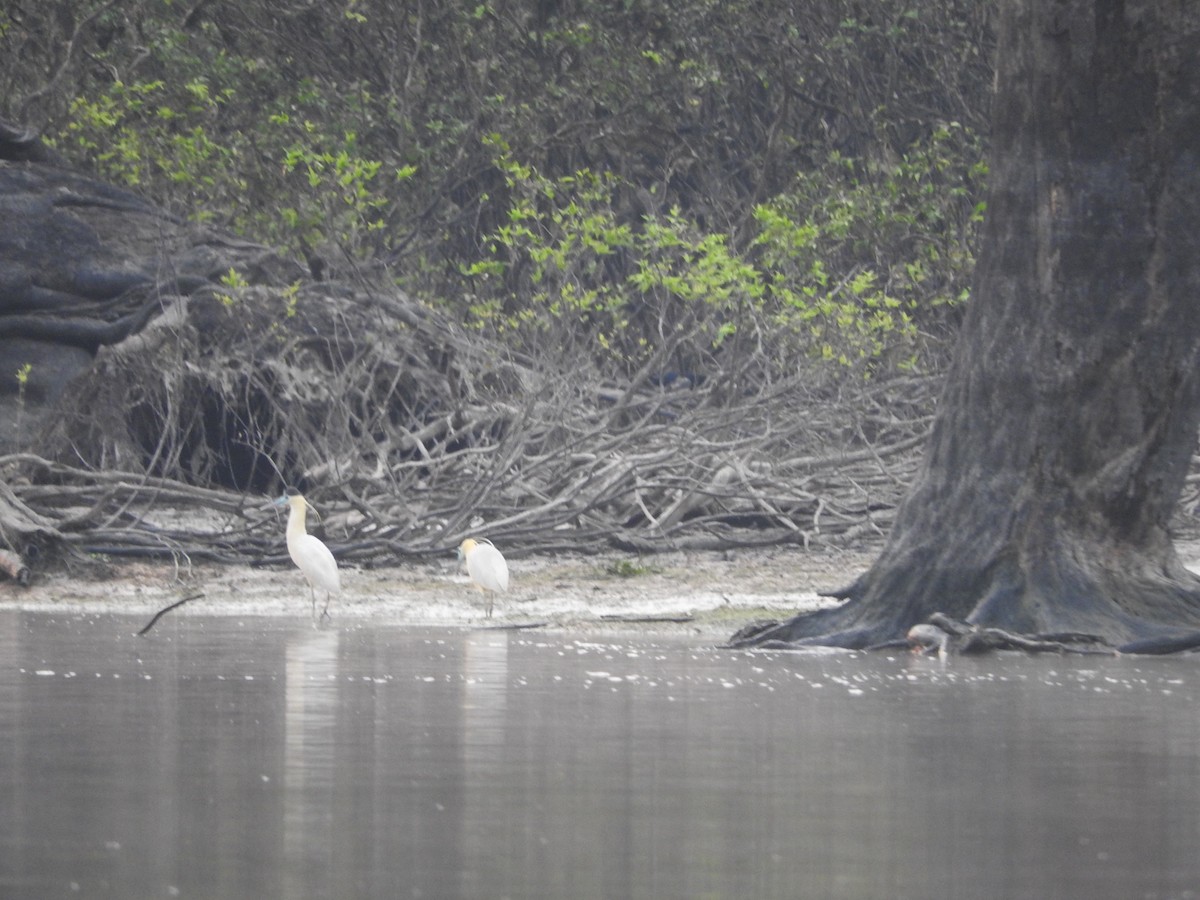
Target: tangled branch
{"points": [[409, 434]]}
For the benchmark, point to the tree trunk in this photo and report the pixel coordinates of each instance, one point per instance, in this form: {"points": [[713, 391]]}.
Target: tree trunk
{"points": [[1070, 414]]}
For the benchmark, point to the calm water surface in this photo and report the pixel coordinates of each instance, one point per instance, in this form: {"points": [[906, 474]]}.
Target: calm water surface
{"points": [[263, 758]]}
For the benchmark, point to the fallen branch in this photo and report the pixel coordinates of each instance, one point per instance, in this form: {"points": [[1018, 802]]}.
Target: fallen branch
{"points": [[166, 609], [409, 437]]}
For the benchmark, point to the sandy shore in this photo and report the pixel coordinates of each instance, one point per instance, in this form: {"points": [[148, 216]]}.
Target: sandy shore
{"points": [[700, 593], [704, 593]]}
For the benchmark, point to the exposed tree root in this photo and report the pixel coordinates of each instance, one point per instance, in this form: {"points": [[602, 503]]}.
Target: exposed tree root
{"points": [[1110, 611]]}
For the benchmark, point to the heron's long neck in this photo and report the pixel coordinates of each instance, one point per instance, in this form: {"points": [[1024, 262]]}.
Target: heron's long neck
{"points": [[295, 526]]}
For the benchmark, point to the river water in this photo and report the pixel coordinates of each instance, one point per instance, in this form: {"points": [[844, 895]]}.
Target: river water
{"points": [[235, 757]]}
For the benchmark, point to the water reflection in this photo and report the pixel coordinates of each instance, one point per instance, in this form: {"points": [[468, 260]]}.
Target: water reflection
{"points": [[484, 711], [310, 723], [265, 758]]}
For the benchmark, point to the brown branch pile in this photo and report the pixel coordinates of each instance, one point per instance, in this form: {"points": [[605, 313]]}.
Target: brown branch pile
{"points": [[409, 433]]}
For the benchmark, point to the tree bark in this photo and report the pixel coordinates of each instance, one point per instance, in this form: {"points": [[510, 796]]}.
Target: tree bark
{"points": [[1070, 413]]}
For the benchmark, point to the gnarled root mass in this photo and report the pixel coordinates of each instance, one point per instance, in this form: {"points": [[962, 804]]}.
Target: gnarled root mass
{"points": [[1088, 600], [408, 433]]}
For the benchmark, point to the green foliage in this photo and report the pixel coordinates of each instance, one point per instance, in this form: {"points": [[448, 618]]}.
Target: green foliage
{"points": [[578, 277], [338, 199], [545, 272], [854, 274], [157, 135], [291, 296], [675, 180], [872, 256], [235, 281], [171, 136]]}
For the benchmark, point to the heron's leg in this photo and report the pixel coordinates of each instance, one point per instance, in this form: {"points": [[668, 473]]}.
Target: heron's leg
{"points": [[325, 609], [488, 614], [313, 592]]}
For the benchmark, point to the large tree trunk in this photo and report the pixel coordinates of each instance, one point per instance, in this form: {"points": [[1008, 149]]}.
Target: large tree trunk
{"points": [[1071, 411]]}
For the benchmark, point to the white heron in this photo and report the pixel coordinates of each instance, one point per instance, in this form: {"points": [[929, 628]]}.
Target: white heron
{"points": [[309, 554], [486, 567]]}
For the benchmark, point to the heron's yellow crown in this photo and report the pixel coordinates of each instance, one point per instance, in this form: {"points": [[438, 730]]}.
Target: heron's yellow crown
{"points": [[467, 546]]}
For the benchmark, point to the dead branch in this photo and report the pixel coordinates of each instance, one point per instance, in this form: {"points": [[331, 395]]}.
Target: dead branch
{"points": [[408, 434]]}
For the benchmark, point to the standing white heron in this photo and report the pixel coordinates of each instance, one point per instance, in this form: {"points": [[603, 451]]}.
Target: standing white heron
{"points": [[309, 554], [486, 567]]}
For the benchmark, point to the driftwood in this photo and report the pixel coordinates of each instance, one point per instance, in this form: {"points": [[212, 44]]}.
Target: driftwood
{"points": [[658, 472], [25, 532]]}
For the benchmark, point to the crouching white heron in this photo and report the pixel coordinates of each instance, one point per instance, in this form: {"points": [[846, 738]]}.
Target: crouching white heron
{"points": [[309, 554], [486, 567]]}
